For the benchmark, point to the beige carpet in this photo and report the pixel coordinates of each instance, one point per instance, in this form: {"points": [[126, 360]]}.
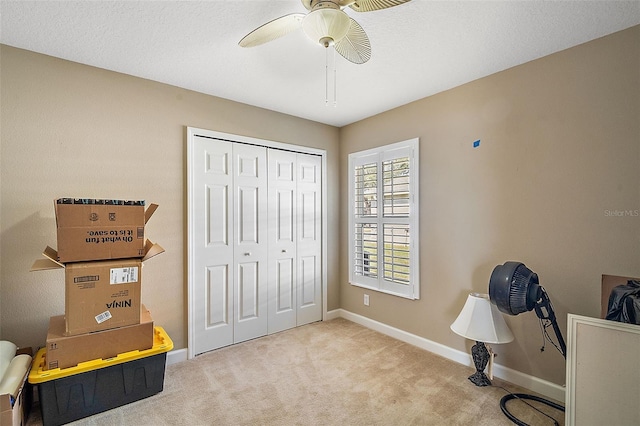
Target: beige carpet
{"points": [[328, 373]]}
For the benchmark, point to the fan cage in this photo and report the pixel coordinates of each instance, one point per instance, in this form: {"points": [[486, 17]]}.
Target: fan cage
{"points": [[519, 289], [514, 288]]}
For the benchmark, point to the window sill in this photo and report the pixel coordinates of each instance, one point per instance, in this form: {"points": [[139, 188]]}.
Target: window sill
{"points": [[379, 290]]}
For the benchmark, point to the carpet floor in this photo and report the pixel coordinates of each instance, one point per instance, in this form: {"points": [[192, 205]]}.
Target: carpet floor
{"points": [[327, 373]]}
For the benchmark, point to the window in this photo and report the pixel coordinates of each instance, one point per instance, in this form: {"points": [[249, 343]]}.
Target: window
{"points": [[383, 219]]}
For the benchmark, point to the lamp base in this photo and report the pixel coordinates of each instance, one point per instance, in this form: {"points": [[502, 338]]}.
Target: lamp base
{"points": [[480, 356], [480, 379]]}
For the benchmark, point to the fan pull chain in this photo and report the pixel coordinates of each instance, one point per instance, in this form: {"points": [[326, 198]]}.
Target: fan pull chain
{"points": [[326, 79], [335, 80]]}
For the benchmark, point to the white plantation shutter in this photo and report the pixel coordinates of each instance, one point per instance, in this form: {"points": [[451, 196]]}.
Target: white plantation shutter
{"points": [[366, 191], [397, 253], [395, 187], [383, 216], [366, 249]]}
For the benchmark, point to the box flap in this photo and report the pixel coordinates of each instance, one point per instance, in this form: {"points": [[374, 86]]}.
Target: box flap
{"points": [[151, 249], [51, 253], [49, 263], [150, 211], [44, 264]]}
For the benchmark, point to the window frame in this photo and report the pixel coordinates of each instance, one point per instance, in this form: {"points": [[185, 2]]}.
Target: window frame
{"points": [[379, 155]]}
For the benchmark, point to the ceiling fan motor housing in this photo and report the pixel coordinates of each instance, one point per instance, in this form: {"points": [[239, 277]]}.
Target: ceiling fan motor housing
{"points": [[514, 288], [326, 24], [313, 4]]}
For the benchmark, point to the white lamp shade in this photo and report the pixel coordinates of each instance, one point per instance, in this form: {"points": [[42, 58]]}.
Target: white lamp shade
{"points": [[326, 23], [480, 320]]}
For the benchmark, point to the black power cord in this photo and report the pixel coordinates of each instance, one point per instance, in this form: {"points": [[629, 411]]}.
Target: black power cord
{"points": [[544, 324], [523, 397]]}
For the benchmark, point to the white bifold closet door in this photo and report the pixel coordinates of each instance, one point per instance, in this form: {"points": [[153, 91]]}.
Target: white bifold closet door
{"points": [[256, 241], [295, 290]]}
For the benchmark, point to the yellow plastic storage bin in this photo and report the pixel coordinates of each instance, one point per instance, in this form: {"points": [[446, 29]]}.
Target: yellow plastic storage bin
{"points": [[99, 385]]}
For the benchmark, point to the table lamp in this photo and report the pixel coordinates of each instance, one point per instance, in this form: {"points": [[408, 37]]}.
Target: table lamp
{"points": [[480, 320]]}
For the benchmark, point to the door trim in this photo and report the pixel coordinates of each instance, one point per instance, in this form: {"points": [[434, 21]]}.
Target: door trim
{"points": [[191, 133]]}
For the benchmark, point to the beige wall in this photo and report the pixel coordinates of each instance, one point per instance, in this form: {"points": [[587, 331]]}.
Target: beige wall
{"points": [[70, 130], [560, 146]]}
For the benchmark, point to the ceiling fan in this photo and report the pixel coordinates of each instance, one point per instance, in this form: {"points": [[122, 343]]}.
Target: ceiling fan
{"points": [[326, 24]]}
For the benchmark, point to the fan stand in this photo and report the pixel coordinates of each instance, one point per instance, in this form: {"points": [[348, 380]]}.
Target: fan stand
{"points": [[544, 311], [536, 298], [523, 397], [481, 357]]}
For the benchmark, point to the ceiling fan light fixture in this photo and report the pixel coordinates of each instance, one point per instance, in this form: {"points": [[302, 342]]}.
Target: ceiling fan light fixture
{"points": [[326, 26]]}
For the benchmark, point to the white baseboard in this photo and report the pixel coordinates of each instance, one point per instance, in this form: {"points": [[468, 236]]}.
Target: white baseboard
{"points": [[332, 315], [535, 384], [175, 356]]}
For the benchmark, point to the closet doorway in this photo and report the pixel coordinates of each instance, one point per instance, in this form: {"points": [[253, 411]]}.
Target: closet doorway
{"points": [[255, 238]]}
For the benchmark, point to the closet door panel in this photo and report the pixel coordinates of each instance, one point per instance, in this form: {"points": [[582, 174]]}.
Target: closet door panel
{"points": [[309, 280], [282, 240], [248, 291], [285, 288], [217, 285], [308, 242], [212, 252], [250, 242], [248, 215]]}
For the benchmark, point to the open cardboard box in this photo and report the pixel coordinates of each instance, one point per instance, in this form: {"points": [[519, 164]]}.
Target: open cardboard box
{"points": [[100, 295], [14, 410], [92, 229]]}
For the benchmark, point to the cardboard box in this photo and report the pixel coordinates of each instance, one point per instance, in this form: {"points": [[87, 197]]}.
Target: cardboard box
{"points": [[90, 229], [14, 410], [100, 295], [68, 351]]}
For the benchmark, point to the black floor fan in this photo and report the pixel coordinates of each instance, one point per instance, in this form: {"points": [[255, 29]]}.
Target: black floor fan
{"points": [[514, 289]]}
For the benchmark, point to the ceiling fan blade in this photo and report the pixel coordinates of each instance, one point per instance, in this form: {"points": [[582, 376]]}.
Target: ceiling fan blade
{"points": [[370, 5], [355, 46], [272, 30]]}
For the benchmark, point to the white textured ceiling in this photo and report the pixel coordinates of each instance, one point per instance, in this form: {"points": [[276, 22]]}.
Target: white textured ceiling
{"points": [[418, 49]]}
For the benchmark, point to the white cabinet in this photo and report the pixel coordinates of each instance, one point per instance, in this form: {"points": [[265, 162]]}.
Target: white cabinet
{"points": [[603, 377]]}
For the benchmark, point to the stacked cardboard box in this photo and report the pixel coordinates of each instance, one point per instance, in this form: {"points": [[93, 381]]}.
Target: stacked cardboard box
{"points": [[101, 247], [15, 392]]}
